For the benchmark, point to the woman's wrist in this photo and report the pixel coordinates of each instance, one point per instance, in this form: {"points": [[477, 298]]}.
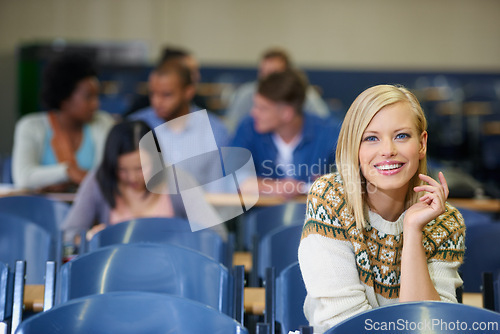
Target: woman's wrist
{"points": [[412, 234]]}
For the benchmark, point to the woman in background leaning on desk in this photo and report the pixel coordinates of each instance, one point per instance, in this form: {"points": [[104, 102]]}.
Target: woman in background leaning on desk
{"points": [[54, 150], [116, 191], [380, 230]]}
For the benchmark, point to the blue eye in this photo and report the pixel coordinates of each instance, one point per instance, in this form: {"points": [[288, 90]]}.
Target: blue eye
{"points": [[370, 138], [402, 136]]}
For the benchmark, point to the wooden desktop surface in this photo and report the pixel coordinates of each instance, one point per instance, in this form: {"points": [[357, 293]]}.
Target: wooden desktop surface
{"points": [[485, 204], [254, 299]]}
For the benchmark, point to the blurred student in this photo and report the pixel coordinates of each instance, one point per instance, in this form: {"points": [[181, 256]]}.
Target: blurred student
{"points": [[290, 147], [116, 191], [184, 57], [272, 60], [187, 134], [53, 150], [379, 231]]}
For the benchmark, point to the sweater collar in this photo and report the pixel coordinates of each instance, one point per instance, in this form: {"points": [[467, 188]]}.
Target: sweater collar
{"points": [[385, 226]]}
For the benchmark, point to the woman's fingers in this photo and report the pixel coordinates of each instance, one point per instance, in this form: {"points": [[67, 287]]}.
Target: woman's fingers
{"points": [[435, 192], [444, 184], [434, 185], [430, 189]]}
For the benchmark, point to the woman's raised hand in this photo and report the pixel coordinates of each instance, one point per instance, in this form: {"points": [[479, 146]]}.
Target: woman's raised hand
{"points": [[430, 205]]}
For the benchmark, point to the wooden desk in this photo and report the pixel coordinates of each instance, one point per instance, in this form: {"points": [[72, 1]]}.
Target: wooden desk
{"points": [[254, 300], [485, 205], [243, 259], [263, 200], [473, 299], [33, 297]]}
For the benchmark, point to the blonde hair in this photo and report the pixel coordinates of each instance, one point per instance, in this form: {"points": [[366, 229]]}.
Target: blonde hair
{"points": [[357, 118]]}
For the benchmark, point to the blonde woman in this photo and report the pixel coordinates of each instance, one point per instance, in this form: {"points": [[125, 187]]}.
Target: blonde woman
{"points": [[379, 231]]}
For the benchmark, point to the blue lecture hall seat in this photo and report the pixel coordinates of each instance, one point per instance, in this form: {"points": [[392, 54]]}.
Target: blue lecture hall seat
{"points": [[6, 285], [420, 317], [159, 268], [21, 239], [47, 213], [279, 249], [131, 313], [285, 297], [164, 231], [290, 295], [472, 217], [482, 254], [260, 221]]}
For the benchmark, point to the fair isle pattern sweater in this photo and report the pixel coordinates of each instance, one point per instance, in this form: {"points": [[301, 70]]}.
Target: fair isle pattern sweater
{"points": [[347, 271]]}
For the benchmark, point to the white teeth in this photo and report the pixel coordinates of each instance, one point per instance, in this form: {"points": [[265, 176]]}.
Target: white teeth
{"points": [[388, 167]]}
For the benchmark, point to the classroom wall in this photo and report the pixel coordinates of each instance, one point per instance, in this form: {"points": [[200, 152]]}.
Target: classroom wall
{"points": [[438, 35]]}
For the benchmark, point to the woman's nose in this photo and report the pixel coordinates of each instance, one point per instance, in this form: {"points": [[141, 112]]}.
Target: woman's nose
{"points": [[388, 148]]}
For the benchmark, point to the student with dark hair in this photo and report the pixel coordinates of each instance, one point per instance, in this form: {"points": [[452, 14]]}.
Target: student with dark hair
{"points": [[116, 191], [172, 54], [290, 148], [55, 149], [181, 132], [272, 60]]}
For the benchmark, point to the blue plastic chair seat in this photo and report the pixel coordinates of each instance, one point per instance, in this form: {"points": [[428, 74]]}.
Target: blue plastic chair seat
{"points": [[6, 285], [162, 231], [147, 267], [261, 221], [482, 254], [43, 211], [290, 295], [279, 249], [131, 313], [21, 239], [419, 317]]}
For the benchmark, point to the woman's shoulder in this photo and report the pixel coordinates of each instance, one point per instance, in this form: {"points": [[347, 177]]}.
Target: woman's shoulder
{"points": [[445, 235], [103, 118], [34, 119], [328, 185], [327, 212], [451, 220]]}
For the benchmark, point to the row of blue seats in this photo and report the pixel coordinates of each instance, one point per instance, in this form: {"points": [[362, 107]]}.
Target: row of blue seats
{"points": [[271, 249], [152, 230], [170, 270], [174, 270], [286, 220], [145, 311]]}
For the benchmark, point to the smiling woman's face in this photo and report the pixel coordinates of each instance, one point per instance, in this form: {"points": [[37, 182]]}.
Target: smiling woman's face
{"points": [[391, 149]]}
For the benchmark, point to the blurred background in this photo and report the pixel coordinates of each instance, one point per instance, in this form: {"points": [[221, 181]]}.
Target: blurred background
{"points": [[446, 51]]}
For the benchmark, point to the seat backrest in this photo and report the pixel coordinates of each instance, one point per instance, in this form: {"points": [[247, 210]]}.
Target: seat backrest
{"points": [[262, 220], [47, 213], [131, 313], [164, 268], [5, 291], [472, 217], [21, 239], [482, 254], [290, 295], [163, 231], [279, 249], [6, 165], [431, 317]]}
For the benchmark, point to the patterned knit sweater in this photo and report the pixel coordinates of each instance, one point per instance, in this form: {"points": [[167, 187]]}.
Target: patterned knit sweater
{"points": [[347, 271]]}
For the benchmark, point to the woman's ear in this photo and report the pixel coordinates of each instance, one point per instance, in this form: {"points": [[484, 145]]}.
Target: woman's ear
{"points": [[423, 145]]}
